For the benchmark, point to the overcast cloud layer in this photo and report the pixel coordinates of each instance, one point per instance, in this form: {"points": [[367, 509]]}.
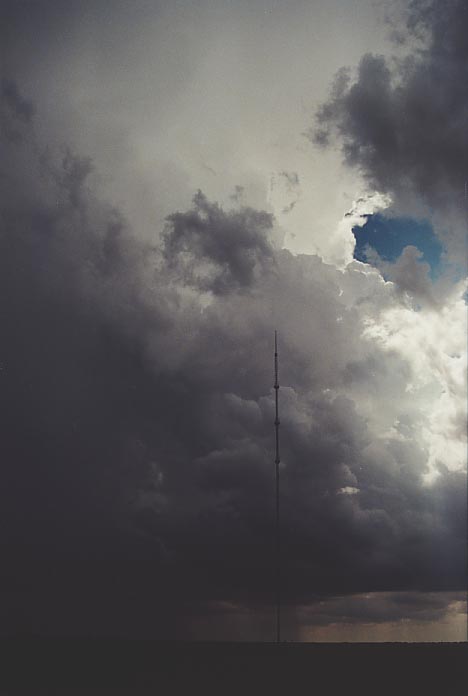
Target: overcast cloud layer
{"points": [[137, 405]]}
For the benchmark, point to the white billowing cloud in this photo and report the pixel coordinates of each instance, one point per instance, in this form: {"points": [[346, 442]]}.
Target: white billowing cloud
{"points": [[342, 242], [348, 490], [289, 196], [432, 344]]}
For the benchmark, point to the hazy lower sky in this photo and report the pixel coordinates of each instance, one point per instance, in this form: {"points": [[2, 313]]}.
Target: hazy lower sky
{"points": [[180, 179]]}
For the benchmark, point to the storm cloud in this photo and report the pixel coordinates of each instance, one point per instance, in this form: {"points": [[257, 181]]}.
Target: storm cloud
{"points": [[137, 416], [231, 245], [402, 122]]}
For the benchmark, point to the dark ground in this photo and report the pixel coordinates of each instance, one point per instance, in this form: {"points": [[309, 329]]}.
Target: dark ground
{"points": [[76, 667]]}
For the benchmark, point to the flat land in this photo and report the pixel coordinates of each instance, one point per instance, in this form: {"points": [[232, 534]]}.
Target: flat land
{"points": [[78, 667]]}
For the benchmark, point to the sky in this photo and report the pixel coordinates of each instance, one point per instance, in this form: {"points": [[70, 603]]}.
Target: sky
{"points": [[180, 179], [389, 237]]}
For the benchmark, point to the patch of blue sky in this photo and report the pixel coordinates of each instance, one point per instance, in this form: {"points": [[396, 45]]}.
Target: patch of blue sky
{"points": [[389, 236]]}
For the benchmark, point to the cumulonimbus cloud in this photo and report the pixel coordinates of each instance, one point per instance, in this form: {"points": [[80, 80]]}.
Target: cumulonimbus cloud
{"points": [[137, 414]]}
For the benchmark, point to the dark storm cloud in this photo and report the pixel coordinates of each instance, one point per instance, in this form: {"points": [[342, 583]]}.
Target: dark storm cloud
{"points": [[75, 398], [403, 122], [22, 108], [137, 418], [232, 245], [15, 111]]}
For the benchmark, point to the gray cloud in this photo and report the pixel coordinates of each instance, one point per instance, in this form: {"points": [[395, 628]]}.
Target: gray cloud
{"points": [[410, 274], [22, 108], [231, 245], [16, 111], [402, 123]]}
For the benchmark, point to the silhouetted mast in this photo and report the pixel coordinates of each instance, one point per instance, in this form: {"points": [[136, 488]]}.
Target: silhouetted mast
{"points": [[277, 462]]}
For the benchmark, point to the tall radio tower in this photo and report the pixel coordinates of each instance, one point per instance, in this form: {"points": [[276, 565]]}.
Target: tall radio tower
{"points": [[277, 462]]}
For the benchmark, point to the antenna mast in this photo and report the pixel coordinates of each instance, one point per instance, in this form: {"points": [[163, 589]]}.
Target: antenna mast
{"points": [[277, 462]]}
